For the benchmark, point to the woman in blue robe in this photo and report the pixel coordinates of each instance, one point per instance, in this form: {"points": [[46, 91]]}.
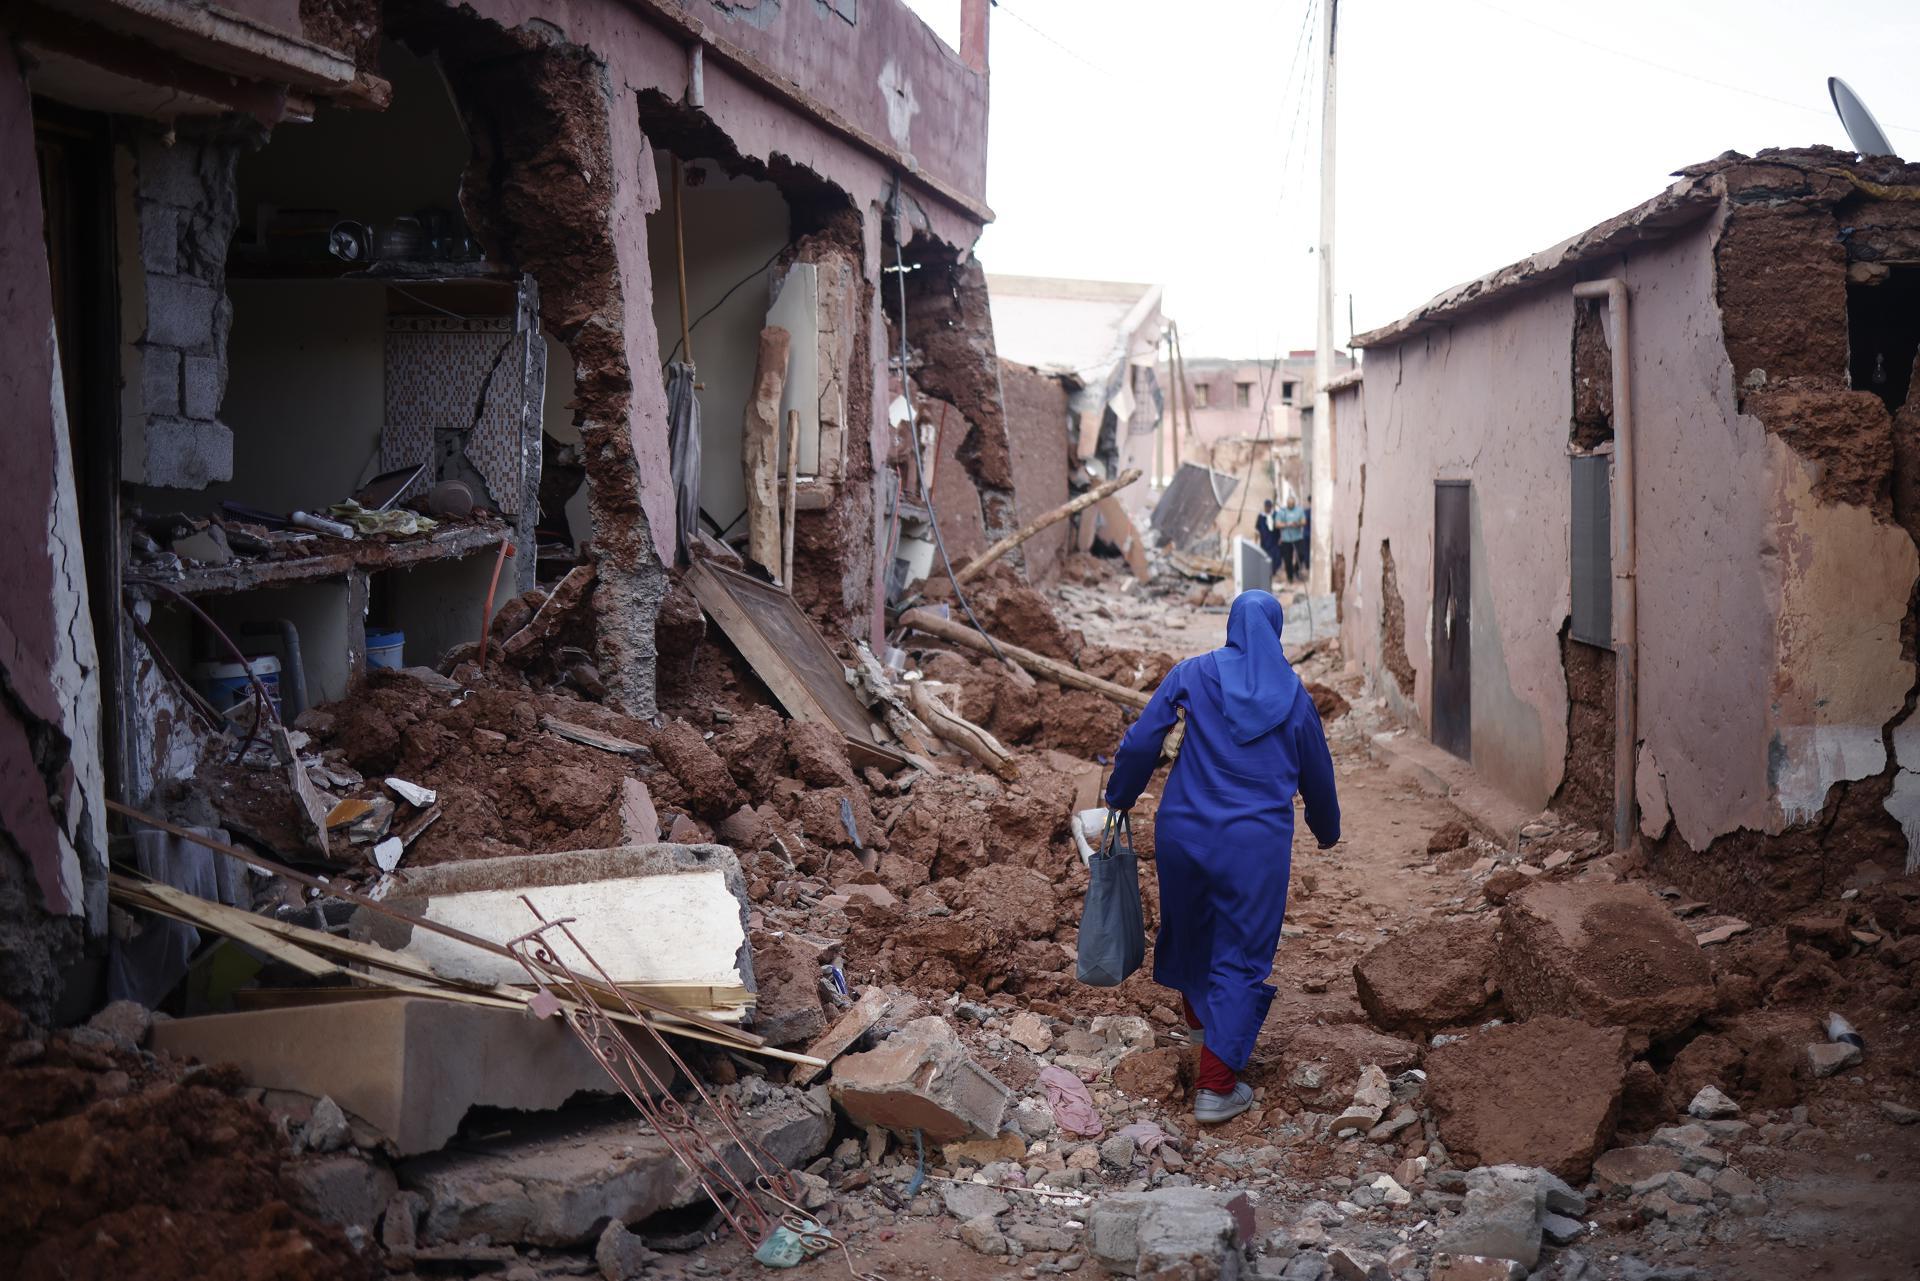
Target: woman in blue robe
{"points": [[1223, 835]]}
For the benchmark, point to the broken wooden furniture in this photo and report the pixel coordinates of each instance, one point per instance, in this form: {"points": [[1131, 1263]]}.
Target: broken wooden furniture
{"points": [[788, 652]]}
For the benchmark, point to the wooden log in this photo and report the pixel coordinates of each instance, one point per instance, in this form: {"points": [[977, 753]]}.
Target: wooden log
{"points": [[924, 620], [760, 448], [960, 731], [1079, 503]]}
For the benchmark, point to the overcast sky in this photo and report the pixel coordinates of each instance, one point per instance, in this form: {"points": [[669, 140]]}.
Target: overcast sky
{"points": [[1179, 142]]}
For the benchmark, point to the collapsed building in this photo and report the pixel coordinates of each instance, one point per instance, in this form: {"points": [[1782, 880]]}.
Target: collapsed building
{"points": [[1630, 523], [291, 249]]}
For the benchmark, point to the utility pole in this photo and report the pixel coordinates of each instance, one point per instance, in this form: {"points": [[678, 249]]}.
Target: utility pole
{"points": [[1320, 484]]}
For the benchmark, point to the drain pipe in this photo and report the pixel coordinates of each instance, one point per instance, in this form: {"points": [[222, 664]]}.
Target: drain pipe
{"points": [[1626, 628]]}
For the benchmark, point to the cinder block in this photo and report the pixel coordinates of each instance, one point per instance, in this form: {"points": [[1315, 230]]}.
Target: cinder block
{"points": [[205, 383], [159, 238], [181, 312], [160, 380], [182, 454], [920, 1078]]}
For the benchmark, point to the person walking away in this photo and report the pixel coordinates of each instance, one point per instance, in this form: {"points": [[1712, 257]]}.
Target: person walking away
{"points": [[1292, 525], [1269, 539], [1223, 837]]}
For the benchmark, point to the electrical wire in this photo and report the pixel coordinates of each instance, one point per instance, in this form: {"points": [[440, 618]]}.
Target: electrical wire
{"points": [[722, 302], [1061, 45]]}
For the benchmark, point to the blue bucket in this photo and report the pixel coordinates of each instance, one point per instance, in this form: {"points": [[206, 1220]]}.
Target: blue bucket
{"points": [[225, 685], [384, 648]]}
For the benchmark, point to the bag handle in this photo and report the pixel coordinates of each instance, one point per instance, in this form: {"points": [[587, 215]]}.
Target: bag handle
{"points": [[1118, 832]]}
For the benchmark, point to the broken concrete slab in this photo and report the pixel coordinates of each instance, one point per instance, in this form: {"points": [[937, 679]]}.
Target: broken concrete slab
{"points": [[557, 1183], [1544, 1093], [1607, 953], [343, 1188], [693, 953], [1499, 1222], [1828, 1057], [1188, 1232], [410, 1067], [921, 1078], [1435, 975], [1619, 1170]]}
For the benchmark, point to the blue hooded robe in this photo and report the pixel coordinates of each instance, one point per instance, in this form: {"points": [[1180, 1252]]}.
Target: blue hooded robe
{"points": [[1223, 838]]}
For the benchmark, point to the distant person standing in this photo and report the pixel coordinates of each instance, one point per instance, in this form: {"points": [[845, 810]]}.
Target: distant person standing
{"points": [[1263, 528], [1291, 522], [1306, 540]]}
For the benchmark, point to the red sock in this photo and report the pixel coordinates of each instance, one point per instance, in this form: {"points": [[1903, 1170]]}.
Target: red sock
{"points": [[1213, 1073]]}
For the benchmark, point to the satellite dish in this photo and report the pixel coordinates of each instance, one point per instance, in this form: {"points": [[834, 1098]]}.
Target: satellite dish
{"points": [[1862, 129]]}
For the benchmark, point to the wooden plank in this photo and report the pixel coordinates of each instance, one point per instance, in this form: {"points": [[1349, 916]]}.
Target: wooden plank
{"points": [[760, 448], [788, 652], [588, 737], [835, 1041], [1078, 503], [1053, 669]]}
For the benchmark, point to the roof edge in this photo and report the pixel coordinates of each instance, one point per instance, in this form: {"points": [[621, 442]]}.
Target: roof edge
{"points": [[1681, 205]]}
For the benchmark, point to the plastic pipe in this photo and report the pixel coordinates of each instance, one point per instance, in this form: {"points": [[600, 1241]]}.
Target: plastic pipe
{"points": [[1626, 625]]}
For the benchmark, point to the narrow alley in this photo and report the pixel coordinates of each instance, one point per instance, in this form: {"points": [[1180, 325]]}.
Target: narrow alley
{"points": [[567, 647]]}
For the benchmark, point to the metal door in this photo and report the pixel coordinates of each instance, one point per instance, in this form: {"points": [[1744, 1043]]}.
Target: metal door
{"points": [[1452, 618]]}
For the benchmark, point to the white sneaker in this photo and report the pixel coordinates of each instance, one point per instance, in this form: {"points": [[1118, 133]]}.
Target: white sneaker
{"points": [[1210, 1107]]}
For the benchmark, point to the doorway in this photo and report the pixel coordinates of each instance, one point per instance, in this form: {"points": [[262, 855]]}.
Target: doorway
{"points": [[1453, 618]]}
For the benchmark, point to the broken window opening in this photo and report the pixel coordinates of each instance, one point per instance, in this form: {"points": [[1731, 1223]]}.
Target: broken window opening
{"points": [[1592, 416], [1883, 327], [1288, 390], [1243, 395], [1202, 396]]}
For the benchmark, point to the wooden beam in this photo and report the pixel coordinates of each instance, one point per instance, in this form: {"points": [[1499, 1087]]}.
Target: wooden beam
{"points": [[760, 448], [1078, 503], [923, 620]]}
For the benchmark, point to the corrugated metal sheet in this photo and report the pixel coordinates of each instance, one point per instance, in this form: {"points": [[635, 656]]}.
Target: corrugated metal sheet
{"points": [[1187, 511], [1593, 549]]}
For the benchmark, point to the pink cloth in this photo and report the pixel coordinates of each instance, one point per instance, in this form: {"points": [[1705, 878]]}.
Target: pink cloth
{"points": [[1072, 1104]]}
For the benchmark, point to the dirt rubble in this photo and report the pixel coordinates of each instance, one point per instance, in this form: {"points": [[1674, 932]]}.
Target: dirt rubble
{"points": [[1449, 1010], [119, 1162]]}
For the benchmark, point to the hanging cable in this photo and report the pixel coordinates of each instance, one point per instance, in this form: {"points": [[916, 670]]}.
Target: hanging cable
{"points": [[913, 431]]}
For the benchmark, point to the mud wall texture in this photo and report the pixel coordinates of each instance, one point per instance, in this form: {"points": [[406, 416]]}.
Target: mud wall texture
{"points": [[1039, 428], [1776, 575], [52, 787]]}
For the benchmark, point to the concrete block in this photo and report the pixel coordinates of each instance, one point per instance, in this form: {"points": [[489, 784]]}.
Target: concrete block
{"points": [[204, 385], [1188, 1232], [178, 453], [181, 312], [920, 1078], [1501, 1222], [342, 1187], [160, 380], [558, 1182], [410, 1067], [159, 238], [170, 171]]}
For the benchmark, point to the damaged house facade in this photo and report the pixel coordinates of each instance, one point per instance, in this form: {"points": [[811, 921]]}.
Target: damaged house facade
{"points": [[1630, 525], [448, 261]]}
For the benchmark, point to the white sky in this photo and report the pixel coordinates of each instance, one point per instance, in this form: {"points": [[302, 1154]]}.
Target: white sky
{"points": [[1150, 141]]}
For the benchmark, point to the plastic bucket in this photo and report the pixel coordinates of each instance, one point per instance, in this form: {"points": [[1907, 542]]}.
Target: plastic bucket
{"points": [[225, 685], [384, 649]]}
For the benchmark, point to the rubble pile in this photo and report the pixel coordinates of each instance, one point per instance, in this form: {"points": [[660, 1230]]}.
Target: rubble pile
{"points": [[120, 1162]]}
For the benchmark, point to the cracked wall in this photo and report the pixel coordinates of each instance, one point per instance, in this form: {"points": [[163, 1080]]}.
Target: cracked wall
{"points": [[559, 185], [52, 787]]}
